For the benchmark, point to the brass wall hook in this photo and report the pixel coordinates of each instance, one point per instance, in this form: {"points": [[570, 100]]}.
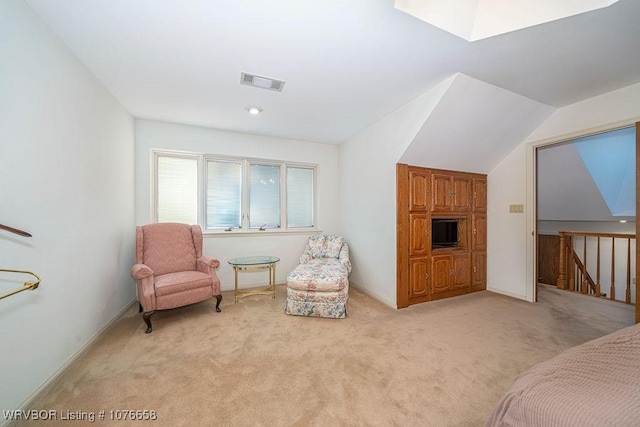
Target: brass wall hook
{"points": [[29, 285]]}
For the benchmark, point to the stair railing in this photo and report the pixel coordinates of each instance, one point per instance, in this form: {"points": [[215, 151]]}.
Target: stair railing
{"points": [[573, 274]]}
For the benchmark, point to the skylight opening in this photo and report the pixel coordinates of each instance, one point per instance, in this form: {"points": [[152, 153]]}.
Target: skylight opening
{"points": [[478, 19]]}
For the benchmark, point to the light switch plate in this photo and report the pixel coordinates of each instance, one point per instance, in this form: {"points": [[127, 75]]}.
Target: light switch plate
{"points": [[516, 208]]}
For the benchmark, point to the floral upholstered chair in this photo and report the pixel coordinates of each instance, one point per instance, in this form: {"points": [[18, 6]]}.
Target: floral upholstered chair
{"points": [[170, 270], [319, 285]]}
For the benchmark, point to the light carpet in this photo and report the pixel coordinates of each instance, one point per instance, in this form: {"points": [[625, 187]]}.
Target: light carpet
{"points": [[443, 363]]}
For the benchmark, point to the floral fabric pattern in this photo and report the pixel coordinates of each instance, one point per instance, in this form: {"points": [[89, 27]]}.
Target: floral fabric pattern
{"points": [[319, 285], [343, 257], [325, 246], [316, 309], [325, 274]]}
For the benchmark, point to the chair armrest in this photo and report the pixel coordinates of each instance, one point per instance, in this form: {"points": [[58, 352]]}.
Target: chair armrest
{"points": [[140, 271], [206, 264], [306, 255], [343, 257], [144, 285]]}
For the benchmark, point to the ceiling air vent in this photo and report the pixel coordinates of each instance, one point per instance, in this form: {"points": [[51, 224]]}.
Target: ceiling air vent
{"points": [[261, 82]]}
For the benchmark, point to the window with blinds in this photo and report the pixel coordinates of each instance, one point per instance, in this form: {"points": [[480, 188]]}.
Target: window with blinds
{"points": [[177, 189], [237, 195], [264, 196], [224, 195], [300, 185]]}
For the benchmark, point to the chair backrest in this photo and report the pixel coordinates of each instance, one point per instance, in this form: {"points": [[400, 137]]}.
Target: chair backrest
{"points": [[168, 247], [325, 246]]}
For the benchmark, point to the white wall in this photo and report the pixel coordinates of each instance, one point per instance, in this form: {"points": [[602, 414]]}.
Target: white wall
{"points": [[66, 176], [508, 234], [368, 192], [160, 135]]}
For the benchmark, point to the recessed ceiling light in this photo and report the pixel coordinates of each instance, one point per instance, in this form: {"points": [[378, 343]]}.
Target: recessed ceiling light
{"points": [[623, 221], [254, 109]]}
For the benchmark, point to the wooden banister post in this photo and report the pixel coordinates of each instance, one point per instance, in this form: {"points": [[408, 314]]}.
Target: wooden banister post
{"points": [[562, 265], [584, 286], [612, 290], [598, 269], [628, 293], [571, 265]]}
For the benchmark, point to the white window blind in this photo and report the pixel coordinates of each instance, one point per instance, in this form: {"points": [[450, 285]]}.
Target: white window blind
{"points": [[300, 197], [224, 195], [177, 189], [264, 196]]}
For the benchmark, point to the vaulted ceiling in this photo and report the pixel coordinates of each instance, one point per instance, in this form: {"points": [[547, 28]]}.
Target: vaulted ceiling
{"points": [[346, 64], [588, 179]]}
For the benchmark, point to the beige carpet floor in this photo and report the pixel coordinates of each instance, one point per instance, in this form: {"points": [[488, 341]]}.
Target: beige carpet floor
{"points": [[443, 363]]}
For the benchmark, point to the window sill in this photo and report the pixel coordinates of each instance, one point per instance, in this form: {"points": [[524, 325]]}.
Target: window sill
{"points": [[253, 233]]}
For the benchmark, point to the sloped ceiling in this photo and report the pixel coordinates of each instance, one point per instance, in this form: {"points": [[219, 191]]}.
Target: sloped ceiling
{"points": [[589, 179], [566, 190], [611, 161], [474, 126], [346, 64]]}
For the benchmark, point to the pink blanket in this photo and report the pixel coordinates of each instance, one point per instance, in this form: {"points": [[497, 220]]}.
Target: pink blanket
{"points": [[593, 384]]}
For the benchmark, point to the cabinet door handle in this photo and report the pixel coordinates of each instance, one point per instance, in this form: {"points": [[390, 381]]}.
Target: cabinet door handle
{"points": [[475, 269], [426, 276], [426, 232]]}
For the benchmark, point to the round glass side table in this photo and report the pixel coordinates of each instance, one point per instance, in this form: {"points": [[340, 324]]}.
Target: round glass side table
{"points": [[253, 263]]}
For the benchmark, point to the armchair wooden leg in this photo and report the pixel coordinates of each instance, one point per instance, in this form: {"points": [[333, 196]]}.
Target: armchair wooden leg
{"points": [[146, 316], [218, 298]]}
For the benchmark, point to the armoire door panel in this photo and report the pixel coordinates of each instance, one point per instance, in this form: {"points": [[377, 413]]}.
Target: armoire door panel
{"points": [[441, 273], [462, 271], [419, 240], [441, 192], [419, 199], [419, 278], [479, 232], [479, 195], [461, 193], [479, 270]]}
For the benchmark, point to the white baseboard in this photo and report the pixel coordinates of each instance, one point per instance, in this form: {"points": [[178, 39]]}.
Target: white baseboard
{"points": [[507, 293], [373, 295], [29, 400]]}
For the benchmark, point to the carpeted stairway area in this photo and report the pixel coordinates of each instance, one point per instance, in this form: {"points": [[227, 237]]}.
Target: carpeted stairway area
{"points": [[443, 363]]}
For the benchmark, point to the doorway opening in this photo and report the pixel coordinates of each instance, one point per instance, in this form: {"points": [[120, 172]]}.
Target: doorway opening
{"points": [[576, 183]]}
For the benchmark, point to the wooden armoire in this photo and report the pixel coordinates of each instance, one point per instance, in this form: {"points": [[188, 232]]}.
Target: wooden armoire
{"points": [[441, 233]]}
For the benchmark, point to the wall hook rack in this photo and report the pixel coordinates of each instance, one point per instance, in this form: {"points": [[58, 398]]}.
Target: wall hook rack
{"points": [[28, 285]]}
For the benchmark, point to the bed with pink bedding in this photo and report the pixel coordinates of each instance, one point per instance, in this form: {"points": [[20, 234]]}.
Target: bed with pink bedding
{"points": [[593, 384]]}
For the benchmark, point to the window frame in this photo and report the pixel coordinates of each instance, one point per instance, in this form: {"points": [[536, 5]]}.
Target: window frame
{"points": [[155, 154], [246, 162]]}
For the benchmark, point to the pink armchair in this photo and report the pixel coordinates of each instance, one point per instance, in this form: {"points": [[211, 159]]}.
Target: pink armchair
{"points": [[170, 270]]}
